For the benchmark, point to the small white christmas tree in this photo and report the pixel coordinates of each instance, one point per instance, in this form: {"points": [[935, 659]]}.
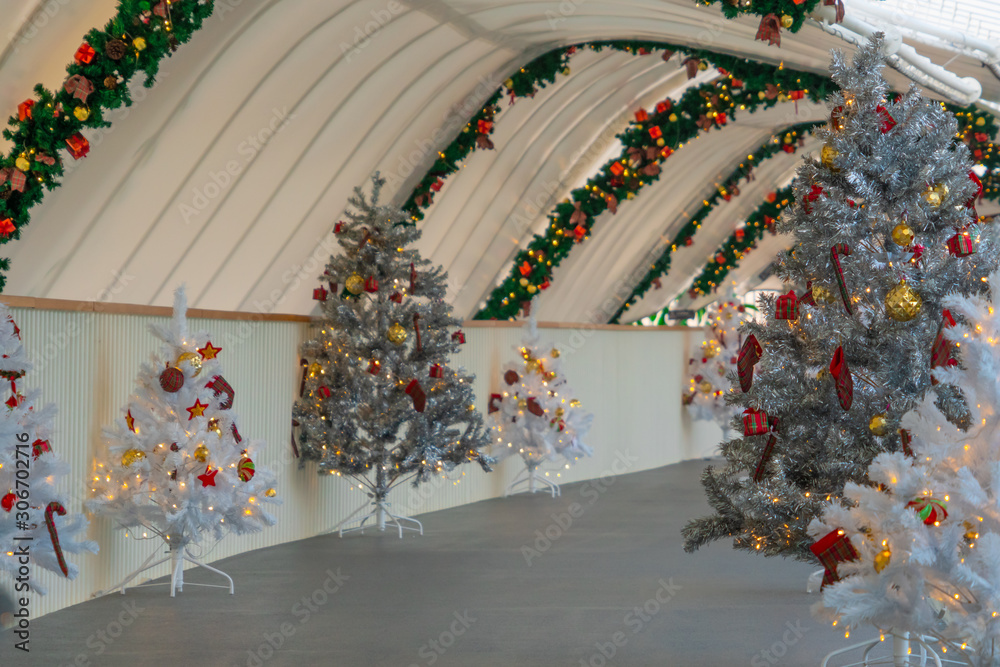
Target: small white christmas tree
{"points": [[34, 518], [708, 369], [537, 416], [176, 465], [924, 552]]}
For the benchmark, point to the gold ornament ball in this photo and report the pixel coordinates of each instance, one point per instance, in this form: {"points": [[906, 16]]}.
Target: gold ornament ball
{"points": [[270, 493], [509, 83], [942, 191], [554, 353], [660, 142], [822, 374], [139, 43], [22, 163], [709, 350], [828, 155], [523, 282], [315, 369], [355, 284], [970, 531], [902, 303], [396, 334], [672, 118], [878, 424], [882, 559], [786, 21], [565, 71], [132, 456], [193, 359], [822, 294], [560, 412], [81, 113], [532, 289], [980, 121], [531, 366], [902, 235], [705, 387], [522, 403], [213, 425], [201, 452]]}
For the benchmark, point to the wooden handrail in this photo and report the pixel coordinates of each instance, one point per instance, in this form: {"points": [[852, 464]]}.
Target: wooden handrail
{"points": [[39, 303]]}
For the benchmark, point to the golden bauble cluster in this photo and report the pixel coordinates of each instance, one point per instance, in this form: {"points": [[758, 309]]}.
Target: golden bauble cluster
{"points": [[879, 424], [554, 353], [935, 195], [787, 21], [213, 425], [132, 456], [270, 493], [574, 403], [902, 235], [355, 284], [709, 349], [705, 387], [531, 365], [396, 334], [201, 452], [903, 303], [22, 163]]}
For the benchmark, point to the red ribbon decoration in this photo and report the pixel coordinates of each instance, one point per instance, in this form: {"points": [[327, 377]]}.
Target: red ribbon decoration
{"points": [[413, 279], [416, 328], [50, 523], [79, 87], [835, 253], [769, 30]]}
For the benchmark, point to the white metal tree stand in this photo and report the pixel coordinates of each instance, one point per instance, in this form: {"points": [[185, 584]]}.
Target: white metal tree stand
{"points": [[530, 478], [908, 650], [176, 555], [379, 511]]}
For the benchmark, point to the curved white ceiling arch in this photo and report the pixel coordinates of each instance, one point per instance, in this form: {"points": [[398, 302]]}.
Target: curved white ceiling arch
{"points": [[154, 205]]}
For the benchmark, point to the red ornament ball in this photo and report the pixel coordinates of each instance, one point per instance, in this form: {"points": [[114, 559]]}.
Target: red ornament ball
{"points": [[510, 377], [245, 469], [172, 379], [931, 510], [8, 501], [174, 447]]}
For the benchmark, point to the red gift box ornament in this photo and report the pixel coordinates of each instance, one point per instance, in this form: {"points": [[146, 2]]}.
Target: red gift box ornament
{"points": [[39, 447], [484, 126], [324, 391], [319, 294], [641, 116], [78, 146], [371, 285], [493, 405], [84, 55], [617, 169], [787, 308], [396, 297], [24, 109], [796, 95], [580, 233], [525, 268], [655, 132], [374, 365], [664, 106], [7, 227], [888, 122], [338, 228], [941, 349], [961, 244], [834, 548], [749, 356], [437, 371], [842, 379], [754, 422], [459, 337], [769, 30]]}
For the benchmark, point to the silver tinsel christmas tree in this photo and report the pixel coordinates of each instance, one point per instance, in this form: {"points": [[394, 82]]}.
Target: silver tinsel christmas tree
{"points": [[379, 403], [885, 226]]}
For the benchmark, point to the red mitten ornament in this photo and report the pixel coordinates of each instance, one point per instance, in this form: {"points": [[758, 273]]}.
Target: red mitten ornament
{"points": [[748, 358], [842, 379], [835, 547], [416, 392]]}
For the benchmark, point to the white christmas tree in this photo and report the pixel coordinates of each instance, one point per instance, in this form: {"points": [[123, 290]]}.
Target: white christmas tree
{"points": [[34, 518], [924, 553], [176, 465], [708, 369], [537, 416]]}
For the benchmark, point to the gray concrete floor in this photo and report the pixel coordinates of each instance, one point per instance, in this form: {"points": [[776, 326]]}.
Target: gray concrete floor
{"points": [[481, 587]]}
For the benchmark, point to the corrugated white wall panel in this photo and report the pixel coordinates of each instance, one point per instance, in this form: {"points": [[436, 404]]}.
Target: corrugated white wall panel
{"points": [[87, 363]]}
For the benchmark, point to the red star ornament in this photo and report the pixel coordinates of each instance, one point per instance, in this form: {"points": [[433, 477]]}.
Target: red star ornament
{"points": [[209, 352], [130, 421], [208, 479], [197, 410]]}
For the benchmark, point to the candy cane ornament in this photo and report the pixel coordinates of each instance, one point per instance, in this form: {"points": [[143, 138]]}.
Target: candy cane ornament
{"points": [[61, 511], [835, 253]]}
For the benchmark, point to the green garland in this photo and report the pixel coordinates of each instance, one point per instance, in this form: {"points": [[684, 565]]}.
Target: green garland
{"points": [[745, 86], [796, 11], [141, 33], [787, 142]]}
